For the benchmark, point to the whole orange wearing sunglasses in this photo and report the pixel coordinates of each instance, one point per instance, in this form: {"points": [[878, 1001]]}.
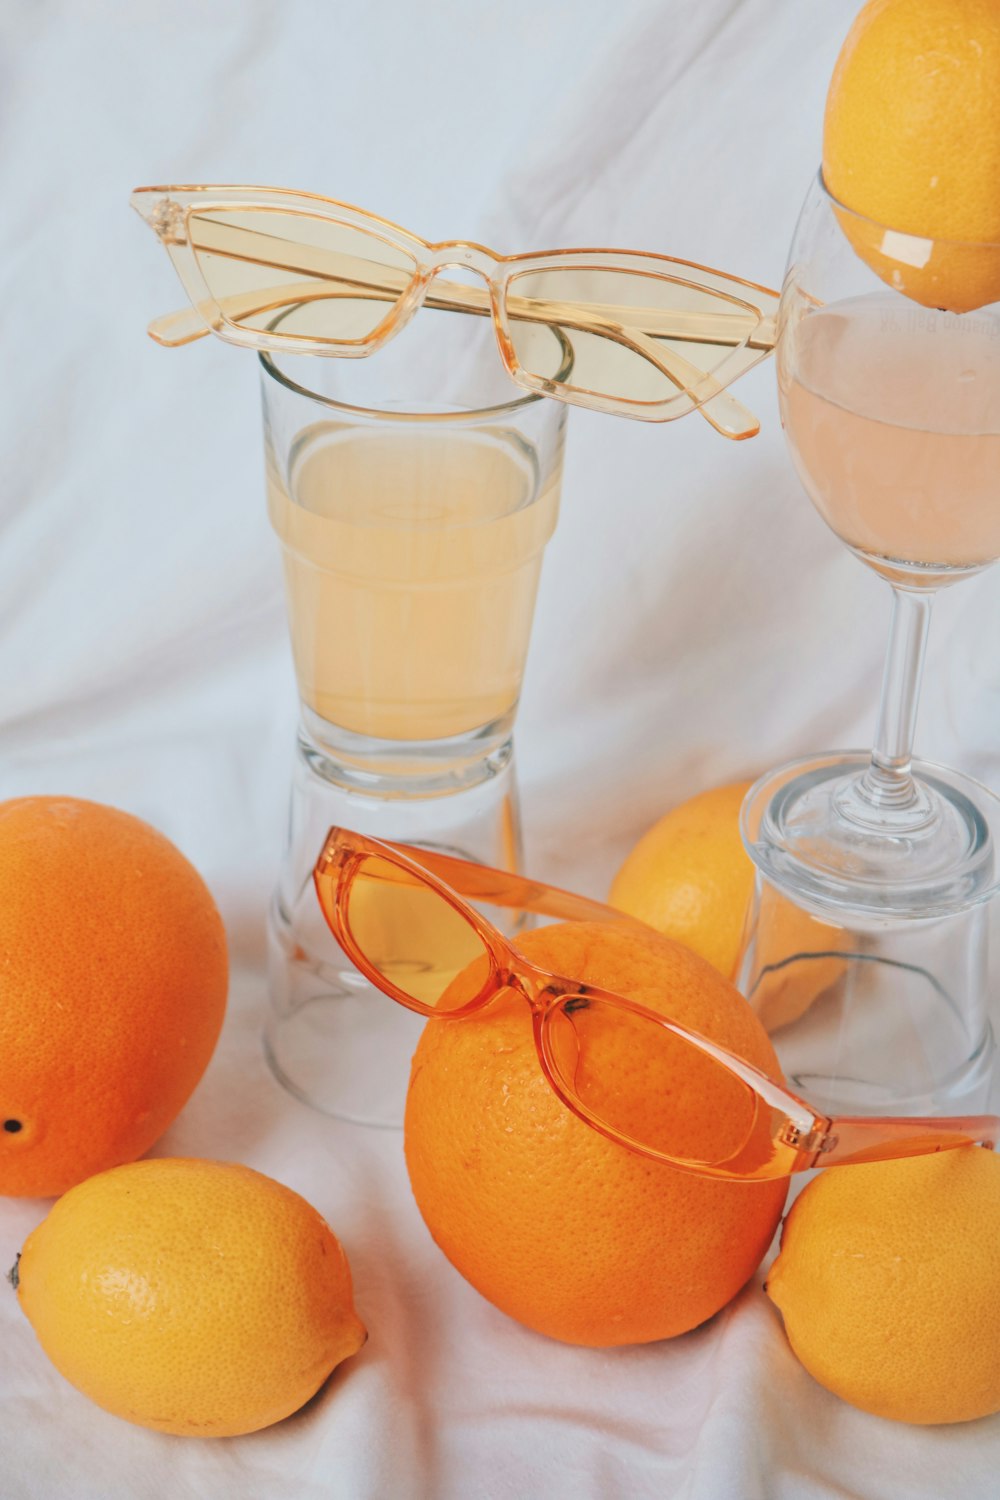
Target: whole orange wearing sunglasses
{"points": [[405, 917]]}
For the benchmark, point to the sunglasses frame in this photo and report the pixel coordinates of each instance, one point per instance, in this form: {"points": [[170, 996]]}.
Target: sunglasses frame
{"points": [[800, 1137], [750, 327]]}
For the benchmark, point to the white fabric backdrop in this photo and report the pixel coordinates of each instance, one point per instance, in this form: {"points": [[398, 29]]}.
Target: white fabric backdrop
{"points": [[696, 622]]}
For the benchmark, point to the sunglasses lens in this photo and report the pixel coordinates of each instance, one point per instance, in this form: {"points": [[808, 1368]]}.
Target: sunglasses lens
{"points": [[421, 946], [648, 1085], [298, 274], [635, 336]]}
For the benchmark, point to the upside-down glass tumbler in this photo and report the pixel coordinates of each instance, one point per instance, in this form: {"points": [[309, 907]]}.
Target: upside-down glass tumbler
{"points": [[872, 1009], [413, 494]]}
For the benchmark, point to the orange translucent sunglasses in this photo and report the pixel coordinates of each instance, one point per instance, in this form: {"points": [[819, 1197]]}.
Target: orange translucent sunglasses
{"points": [[621, 331], [404, 918]]}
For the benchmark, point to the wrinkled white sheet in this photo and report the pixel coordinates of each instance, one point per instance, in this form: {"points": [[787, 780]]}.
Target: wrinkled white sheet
{"points": [[696, 622]]}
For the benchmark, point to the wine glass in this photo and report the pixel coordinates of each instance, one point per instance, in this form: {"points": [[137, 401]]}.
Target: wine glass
{"points": [[891, 411]]}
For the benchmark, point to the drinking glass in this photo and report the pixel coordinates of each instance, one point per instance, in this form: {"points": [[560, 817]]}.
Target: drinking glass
{"points": [[891, 410], [413, 495]]}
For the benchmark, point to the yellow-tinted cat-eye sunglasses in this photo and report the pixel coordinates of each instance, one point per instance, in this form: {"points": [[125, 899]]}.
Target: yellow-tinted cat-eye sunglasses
{"points": [[649, 336]]}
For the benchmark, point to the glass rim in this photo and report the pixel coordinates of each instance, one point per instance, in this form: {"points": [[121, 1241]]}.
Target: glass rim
{"points": [[383, 414], [903, 234]]}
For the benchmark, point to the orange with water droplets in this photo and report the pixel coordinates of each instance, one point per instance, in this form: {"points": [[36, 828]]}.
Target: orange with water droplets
{"points": [[572, 1234]]}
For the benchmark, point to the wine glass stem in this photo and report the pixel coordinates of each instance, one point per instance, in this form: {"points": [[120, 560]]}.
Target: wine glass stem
{"points": [[888, 783]]}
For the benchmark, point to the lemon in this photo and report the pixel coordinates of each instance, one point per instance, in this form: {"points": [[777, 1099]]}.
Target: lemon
{"points": [[690, 877], [888, 1281], [194, 1297]]}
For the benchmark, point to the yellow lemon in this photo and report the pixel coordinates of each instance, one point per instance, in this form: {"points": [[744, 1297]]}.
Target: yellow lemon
{"points": [[690, 877], [911, 140], [889, 1284], [195, 1297]]}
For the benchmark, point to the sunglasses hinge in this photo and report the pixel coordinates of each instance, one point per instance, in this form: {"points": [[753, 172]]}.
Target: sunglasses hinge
{"points": [[816, 1141], [167, 219]]}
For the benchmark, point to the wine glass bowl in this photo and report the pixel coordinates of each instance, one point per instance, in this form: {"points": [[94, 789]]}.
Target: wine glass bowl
{"points": [[891, 409]]}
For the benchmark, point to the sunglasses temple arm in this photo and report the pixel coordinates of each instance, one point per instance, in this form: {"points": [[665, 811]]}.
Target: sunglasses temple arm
{"points": [[517, 892], [174, 330], [723, 412], [724, 329], [727, 415], [853, 1140], [189, 323]]}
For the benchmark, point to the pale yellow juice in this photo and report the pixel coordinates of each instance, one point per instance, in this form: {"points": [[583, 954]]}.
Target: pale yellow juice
{"points": [[411, 567], [893, 418]]}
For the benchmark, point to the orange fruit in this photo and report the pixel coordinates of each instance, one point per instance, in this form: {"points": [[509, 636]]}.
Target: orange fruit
{"points": [[690, 877], [889, 1284], [561, 1228], [114, 988], [195, 1297], [911, 141]]}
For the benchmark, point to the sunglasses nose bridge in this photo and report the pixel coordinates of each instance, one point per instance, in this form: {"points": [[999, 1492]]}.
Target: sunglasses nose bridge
{"points": [[549, 992], [463, 255], [532, 984]]}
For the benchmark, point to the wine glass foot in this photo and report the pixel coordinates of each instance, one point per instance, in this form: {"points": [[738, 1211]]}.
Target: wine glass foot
{"points": [[812, 828]]}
